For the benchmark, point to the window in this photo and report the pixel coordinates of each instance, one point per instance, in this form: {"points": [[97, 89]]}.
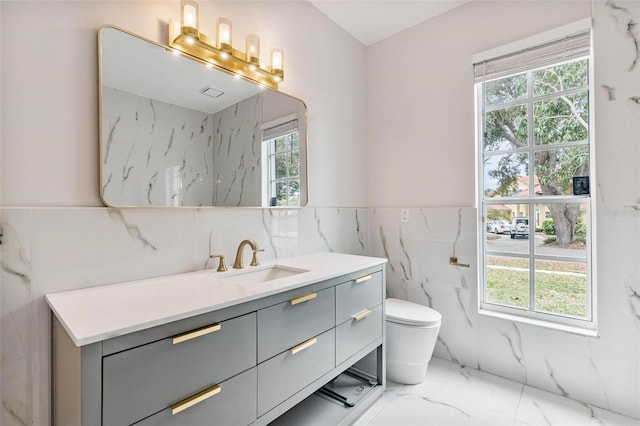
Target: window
{"points": [[282, 177], [534, 137]]}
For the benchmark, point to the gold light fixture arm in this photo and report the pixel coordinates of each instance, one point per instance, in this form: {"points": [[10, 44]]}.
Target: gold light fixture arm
{"points": [[203, 48]]}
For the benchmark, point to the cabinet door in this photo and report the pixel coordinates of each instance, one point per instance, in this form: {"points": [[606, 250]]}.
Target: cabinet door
{"points": [[363, 328], [284, 375], [357, 295], [144, 380], [287, 324], [233, 405]]}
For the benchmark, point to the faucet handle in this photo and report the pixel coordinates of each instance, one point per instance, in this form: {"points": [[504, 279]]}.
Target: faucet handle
{"points": [[221, 266], [254, 259]]}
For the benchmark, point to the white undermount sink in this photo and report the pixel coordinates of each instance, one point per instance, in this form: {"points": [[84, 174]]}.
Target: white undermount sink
{"points": [[263, 275]]}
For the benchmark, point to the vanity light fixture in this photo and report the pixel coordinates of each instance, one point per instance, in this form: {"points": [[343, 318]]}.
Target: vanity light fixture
{"points": [[185, 36], [223, 34], [253, 51], [190, 15], [277, 63]]}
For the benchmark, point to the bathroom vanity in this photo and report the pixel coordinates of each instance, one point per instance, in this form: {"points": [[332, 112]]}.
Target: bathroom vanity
{"points": [[250, 346]]}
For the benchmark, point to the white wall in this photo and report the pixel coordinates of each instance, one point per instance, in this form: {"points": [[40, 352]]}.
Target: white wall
{"points": [[421, 131], [49, 71], [420, 104]]}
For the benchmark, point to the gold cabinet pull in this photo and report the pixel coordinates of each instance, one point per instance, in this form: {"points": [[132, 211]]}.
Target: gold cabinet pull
{"points": [[304, 345], [361, 315], [195, 333], [363, 279], [195, 399], [303, 298]]}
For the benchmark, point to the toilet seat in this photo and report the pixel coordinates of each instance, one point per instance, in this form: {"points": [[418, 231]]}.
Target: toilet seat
{"points": [[409, 313]]}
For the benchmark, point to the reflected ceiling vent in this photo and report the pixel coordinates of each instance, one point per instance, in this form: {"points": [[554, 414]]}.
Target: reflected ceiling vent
{"points": [[210, 91]]}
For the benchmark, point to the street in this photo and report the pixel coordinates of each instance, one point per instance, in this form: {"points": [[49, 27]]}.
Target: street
{"points": [[504, 243]]}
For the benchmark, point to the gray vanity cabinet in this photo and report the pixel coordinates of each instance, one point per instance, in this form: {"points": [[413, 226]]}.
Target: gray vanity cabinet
{"points": [[358, 294], [359, 314], [289, 372], [288, 323], [354, 334], [147, 379], [249, 363], [234, 404]]}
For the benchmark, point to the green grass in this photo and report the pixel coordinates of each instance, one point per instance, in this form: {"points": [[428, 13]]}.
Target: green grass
{"points": [[560, 286]]}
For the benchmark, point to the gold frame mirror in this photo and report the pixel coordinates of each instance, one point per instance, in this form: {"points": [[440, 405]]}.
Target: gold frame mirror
{"points": [[177, 132]]}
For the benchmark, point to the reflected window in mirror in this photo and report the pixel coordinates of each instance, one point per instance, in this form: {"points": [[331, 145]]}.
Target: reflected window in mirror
{"points": [[281, 171]]}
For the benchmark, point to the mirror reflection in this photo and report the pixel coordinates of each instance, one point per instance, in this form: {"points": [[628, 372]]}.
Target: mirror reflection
{"points": [[176, 132]]}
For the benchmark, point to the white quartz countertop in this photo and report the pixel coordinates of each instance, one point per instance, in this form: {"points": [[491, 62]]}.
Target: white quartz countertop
{"points": [[97, 313]]}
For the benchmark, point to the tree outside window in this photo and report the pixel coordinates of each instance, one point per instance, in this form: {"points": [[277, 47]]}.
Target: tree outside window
{"points": [[535, 140], [284, 173]]}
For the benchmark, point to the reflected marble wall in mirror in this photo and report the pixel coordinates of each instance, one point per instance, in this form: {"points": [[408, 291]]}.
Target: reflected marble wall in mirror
{"points": [[176, 132]]}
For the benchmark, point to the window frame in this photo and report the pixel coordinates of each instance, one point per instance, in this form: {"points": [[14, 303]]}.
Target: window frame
{"points": [[269, 179], [553, 320]]}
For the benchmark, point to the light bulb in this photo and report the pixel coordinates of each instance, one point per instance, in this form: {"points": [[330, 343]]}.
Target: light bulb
{"points": [[253, 49], [224, 34], [277, 62], [190, 10]]}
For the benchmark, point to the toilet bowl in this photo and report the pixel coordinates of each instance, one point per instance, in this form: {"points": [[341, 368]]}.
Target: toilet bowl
{"points": [[412, 331]]}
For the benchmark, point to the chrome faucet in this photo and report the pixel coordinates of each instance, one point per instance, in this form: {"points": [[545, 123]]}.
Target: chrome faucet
{"points": [[254, 260]]}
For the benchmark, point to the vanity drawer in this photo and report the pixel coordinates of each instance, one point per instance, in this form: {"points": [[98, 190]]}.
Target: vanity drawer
{"points": [[233, 404], [357, 295], [149, 378], [286, 324], [363, 328], [291, 371]]}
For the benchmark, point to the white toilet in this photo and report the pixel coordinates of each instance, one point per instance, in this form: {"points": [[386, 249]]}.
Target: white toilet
{"points": [[412, 331]]}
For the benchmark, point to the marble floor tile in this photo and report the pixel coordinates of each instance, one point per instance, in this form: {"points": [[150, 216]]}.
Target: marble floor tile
{"points": [[538, 407], [433, 407], [487, 390], [454, 395]]}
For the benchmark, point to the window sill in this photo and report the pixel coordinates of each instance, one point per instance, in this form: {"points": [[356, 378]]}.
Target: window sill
{"points": [[587, 332]]}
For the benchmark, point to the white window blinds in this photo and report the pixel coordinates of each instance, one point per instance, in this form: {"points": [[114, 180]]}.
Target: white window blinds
{"points": [[280, 129], [569, 47]]}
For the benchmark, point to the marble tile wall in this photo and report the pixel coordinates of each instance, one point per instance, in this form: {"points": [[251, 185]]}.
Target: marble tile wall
{"points": [[602, 371], [140, 172], [198, 163], [419, 270], [45, 250], [605, 370], [236, 166]]}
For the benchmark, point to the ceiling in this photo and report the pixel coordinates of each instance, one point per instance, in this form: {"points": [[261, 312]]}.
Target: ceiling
{"points": [[370, 21], [127, 62]]}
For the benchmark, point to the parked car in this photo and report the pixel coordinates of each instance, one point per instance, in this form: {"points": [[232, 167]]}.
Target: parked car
{"points": [[519, 227], [499, 227]]}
